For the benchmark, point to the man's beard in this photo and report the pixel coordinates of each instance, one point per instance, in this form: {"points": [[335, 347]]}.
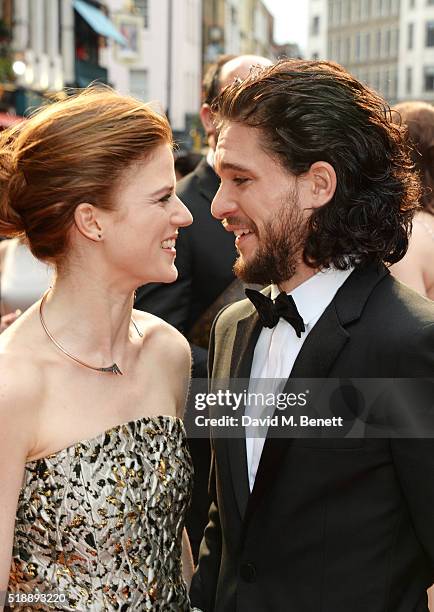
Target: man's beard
{"points": [[280, 247]]}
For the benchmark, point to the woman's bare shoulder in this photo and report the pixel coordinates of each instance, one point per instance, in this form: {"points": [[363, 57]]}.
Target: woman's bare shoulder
{"points": [[161, 333], [3, 247], [164, 339], [21, 393]]}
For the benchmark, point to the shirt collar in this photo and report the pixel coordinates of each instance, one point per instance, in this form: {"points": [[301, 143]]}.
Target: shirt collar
{"points": [[210, 157], [314, 295]]}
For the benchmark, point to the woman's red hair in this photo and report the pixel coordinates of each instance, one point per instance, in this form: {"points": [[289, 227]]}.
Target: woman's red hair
{"points": [[70, 151]]}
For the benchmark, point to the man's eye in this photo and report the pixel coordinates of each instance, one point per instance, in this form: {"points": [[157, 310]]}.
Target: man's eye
{"points": [[239, 181], [165, 198]]}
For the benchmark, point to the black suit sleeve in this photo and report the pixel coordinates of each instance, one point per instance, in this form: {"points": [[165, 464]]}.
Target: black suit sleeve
{"points": [[204, 582], [414, 459]]}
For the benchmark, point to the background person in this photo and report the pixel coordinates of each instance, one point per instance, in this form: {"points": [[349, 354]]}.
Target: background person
{"points": [[416, 268], [95, 472]]}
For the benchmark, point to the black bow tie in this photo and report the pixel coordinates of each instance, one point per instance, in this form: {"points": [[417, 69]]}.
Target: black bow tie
{"points": [[270, 311]]}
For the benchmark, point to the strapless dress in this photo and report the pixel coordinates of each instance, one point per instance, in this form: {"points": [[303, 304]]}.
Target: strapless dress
{"points": [[99, 524]]}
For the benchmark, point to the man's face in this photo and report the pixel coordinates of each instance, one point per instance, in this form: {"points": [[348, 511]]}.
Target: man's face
{"points": [[262, 203]]}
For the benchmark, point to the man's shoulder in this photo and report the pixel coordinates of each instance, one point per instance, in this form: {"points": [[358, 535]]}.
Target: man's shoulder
{"points": [[232, 313], [401, 303]]}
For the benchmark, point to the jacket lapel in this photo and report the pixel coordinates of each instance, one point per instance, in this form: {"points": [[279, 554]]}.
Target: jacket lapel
{"points": [[315, 360], [208, 181], [248, 330]]}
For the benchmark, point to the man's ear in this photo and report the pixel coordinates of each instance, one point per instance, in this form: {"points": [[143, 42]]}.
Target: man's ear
{"points": [[87, 222], [321, 182], [207, 119]]}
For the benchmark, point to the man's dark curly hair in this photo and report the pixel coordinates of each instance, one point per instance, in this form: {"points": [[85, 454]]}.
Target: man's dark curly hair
{"points": [[309, 111]]}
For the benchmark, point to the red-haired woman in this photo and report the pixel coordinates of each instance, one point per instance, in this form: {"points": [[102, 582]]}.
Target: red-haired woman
{"points": [[95, 474]]}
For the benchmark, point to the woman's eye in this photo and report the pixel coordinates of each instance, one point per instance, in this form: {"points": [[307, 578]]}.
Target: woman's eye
{"points": [[165, 198], [239, 181]]}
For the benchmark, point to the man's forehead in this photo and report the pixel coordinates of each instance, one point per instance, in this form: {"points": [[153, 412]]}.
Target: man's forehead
{"points": [[235, 147], [234, 136]]}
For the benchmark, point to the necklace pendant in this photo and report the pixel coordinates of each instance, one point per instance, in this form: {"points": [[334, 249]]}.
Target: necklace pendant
{"points": [[114, 369]]}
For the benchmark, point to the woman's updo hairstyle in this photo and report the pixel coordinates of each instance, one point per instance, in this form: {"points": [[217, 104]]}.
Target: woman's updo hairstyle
{"points": [[70, 151]]}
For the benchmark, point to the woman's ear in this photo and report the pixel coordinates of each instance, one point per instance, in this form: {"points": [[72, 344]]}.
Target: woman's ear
{"points": [[86, 221]]}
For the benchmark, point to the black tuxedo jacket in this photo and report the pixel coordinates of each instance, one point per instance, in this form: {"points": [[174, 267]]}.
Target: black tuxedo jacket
{"points": [[332, 525]]}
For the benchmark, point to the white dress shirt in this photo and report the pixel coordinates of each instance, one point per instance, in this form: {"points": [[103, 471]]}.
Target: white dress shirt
{"points": [[277, 349]]}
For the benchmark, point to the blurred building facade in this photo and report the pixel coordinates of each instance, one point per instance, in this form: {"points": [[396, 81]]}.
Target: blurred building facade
{"points": [[363, 36], [54, 44], [163, 57], [236, 26], [389, 44]]}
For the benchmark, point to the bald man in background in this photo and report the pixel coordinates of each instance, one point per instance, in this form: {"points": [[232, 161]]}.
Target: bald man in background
{"points": [[205, 254]]}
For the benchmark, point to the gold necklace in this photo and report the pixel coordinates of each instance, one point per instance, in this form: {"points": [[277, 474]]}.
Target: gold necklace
{"points": [[113, 369]]}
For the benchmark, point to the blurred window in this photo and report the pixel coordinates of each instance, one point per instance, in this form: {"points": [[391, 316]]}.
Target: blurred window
{"points": [[338, 12], [410, 33], [366, 9], [357, 48], [368, 45], [386, 87], [378, 43], [46, 26], [387, 42], [429, 78], [139, 84], [376, 80], [346, 9], [338, 50], [315, 25], [347, 49], [142, 8], [430, 34], [411, 3], [59, 13], [409, 80]]}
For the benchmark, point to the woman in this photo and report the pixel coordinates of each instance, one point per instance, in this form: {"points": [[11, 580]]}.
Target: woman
{"points": [[94, 470], [416, 269]]}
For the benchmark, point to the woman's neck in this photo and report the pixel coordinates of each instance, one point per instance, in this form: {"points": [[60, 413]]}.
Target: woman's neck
{"points": [[91, 321]]}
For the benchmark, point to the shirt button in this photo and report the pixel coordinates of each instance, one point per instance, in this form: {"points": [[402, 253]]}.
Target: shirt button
{"points": [[248, 572]]}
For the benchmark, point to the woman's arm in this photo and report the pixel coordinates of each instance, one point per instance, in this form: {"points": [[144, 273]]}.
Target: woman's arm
{"points": [[17, 418], [187, 559]]}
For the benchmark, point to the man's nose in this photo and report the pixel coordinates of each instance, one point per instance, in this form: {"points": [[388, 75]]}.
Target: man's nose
{"points": [[222, 206], [183, 216]]}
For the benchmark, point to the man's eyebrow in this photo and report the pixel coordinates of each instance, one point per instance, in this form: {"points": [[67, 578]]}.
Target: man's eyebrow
{"points": [[162, 191], [229, 166]]}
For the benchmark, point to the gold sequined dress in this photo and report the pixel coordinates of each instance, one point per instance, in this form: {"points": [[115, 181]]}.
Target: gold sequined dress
{"points": [[100, 522]]}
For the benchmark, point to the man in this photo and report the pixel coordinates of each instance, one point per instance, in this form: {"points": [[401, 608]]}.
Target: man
{"points": [[317, 188], [204, 258]]}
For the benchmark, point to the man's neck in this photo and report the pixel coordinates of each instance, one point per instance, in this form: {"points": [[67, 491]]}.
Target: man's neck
{"points": [[302, 274]]}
